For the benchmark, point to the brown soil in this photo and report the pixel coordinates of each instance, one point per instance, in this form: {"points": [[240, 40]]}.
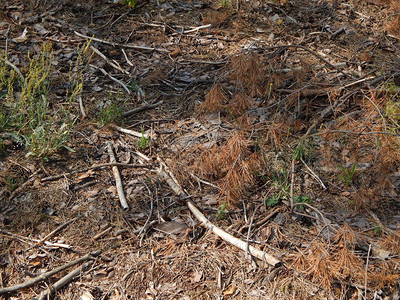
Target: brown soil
{"points": [[236, 102]]}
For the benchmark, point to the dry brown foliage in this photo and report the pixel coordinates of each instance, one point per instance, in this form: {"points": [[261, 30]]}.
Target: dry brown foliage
{"points": [[214, 100], [240, 104], [323, 264], [232, 164], [247, 71], [394, 25], [392, 243], [154, 76]]}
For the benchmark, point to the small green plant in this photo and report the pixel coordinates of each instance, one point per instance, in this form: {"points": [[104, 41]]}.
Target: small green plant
{"points": [[144, 141], [272, 201], [280, 181], [47, 139], [222, 212], [131, 3], [301, 199], [77, 70], [133, 86], [347, 175], [224, 3], [377, 230], [11, 183], [303, 150], [26, 110], [109, 112]]}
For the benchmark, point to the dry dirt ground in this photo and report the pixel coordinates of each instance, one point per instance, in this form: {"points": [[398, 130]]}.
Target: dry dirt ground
{"points": [[278, 120]]}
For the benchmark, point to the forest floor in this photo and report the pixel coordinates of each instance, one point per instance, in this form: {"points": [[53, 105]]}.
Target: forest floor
{"points": [[278, 120]]}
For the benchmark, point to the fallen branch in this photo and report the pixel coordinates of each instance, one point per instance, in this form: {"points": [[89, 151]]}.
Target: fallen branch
{"points": [[64, 281], [172, 182], [62, 226], [97, 51], [81, 107], [41, 277], [231, 239], [117, 176]]}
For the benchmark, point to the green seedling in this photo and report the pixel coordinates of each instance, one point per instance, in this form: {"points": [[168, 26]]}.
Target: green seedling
{"points": [[109, 112], [144, 141], [11, 183], [347, 175], [224, 3], [133, 86], [222, 212], [301, 199], [272, 201], [377, 230], [130, 3]]}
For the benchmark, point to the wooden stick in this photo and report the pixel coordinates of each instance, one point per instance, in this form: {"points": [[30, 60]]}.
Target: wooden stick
{"points": [[81, 107], [131, 132], [41, 277], [117, 176]]}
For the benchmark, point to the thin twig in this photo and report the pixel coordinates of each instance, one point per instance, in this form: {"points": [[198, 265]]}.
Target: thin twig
{"points": [[15, 69], [174, 185], [304, 48], [120, 45], [55, 177], [41, 277], [131, 132], [117, 176], [97, 51], [366, 273], [113, 78], [81, 107], [292, 185], [62, 226], [141, 108], [231, 239], [313, 174]]}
